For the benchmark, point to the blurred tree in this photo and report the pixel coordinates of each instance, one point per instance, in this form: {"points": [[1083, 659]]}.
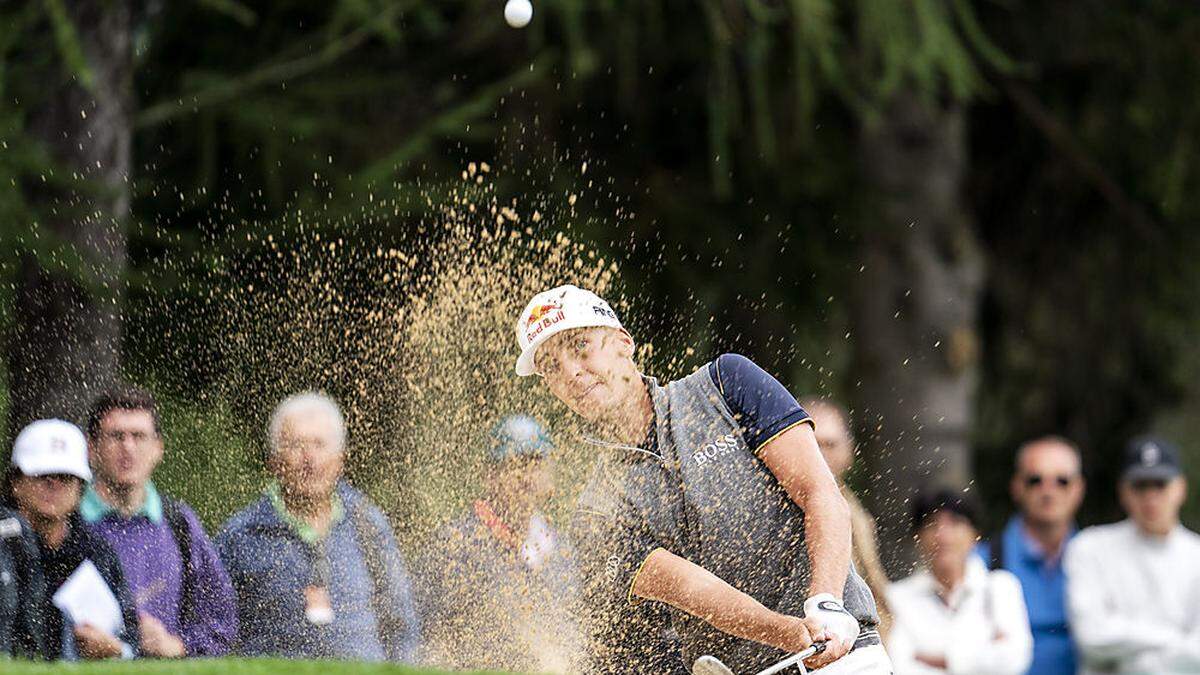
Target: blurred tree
{"points": [[914, 310], [748, 158], [69, 76], [1089, 318]]}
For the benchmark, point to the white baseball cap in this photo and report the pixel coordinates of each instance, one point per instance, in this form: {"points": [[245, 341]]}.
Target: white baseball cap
{"points": [[554, 311], [51, 446]]}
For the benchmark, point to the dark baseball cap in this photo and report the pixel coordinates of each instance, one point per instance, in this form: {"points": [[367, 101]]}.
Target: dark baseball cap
{"points": [[1150, 458], [519, 437]]}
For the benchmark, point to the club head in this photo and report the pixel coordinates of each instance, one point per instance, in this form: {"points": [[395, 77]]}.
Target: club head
{"points": [[710, 665]]}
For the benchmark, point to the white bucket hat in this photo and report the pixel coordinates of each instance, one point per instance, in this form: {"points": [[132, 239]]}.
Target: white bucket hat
{"points": [[51, 446], [553, 311]]}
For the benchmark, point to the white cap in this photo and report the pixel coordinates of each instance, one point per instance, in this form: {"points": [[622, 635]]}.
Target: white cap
{"points": [[51, 446], [554, 311]]}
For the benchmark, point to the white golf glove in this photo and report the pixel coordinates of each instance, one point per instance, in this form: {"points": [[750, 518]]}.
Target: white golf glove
{"points": [[830, 613]]}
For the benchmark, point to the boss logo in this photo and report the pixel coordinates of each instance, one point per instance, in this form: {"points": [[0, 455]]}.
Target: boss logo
{"points": [[721, 447]]}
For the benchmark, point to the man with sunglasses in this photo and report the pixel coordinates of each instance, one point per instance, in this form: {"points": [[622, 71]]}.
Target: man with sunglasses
{"points": [[1134, 587], [1047, 488]]}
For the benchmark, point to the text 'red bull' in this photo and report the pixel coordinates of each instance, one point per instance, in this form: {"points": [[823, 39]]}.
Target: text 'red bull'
{"points": [[541, 318]]}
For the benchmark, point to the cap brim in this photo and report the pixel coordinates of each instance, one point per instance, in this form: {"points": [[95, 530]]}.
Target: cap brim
{"points": [[47, 469], [525, 360], [523, 451], [1161, 472]]}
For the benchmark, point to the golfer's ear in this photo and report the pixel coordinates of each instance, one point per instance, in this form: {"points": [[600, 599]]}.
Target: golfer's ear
{"points": [[628, 347]]}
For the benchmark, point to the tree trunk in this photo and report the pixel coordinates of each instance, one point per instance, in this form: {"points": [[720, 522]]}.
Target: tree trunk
{"points": [[65, 343], [914, 312]]}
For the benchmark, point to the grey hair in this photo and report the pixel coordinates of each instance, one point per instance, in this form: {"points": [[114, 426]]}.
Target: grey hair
{"points": [[305, 402]]}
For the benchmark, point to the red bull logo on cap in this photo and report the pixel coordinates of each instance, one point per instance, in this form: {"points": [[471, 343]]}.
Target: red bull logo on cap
{"points": [[542, 317]]}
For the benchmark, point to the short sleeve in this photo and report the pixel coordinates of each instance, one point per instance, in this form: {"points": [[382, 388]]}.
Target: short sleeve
{"points": [[763, 407], [631, 546]]}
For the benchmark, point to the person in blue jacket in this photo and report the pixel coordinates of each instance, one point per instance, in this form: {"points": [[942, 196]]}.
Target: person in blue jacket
{"points": [[315, 565]]}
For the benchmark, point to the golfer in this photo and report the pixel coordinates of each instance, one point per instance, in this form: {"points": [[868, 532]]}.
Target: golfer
{"points": [[725, 507]]}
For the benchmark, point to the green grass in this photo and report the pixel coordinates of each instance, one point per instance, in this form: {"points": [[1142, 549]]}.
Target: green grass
{"points": [[213, 667]]}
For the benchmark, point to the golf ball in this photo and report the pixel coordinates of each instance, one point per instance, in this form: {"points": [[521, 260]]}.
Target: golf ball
{"points": [[518, 13]]}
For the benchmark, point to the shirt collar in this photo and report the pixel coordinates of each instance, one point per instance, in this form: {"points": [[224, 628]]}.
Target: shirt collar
{"points": [[93, 508], [306, 532], [1029, 548], [974, 578], [499, 529]]}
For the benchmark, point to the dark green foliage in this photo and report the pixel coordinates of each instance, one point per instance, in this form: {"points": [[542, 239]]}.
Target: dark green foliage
{"points": [[723, 139]]}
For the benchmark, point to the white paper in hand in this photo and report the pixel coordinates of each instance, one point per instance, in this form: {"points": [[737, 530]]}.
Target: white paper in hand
{"points": [[86, 598]]}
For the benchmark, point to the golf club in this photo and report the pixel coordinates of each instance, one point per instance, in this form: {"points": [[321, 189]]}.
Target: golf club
{"points": [[711, 665]]}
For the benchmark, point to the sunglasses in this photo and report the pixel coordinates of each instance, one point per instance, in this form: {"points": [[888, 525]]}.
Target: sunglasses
{"points": [[1062, 481], [1146, 485]]}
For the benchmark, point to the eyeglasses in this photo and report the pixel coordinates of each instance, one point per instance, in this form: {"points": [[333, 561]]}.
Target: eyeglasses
{"points": [[119, 436], [1062, 481]]}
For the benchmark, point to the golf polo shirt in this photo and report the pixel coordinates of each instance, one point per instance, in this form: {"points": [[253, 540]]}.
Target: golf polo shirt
{"points": [[698, 489]]}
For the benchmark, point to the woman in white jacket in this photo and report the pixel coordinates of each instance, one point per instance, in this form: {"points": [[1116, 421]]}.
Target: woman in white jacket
{"points": [[955, 616]]}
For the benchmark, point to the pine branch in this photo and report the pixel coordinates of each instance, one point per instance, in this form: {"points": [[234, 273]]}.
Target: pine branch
{"points": [[1077, 157], [272, 74]]}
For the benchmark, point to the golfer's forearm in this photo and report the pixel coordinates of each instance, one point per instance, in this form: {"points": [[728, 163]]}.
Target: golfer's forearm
{"points": [[796, 462], [686, 586], [827, 532]]}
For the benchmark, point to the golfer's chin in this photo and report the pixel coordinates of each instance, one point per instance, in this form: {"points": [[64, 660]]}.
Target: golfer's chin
{"points": [[591, 406]]}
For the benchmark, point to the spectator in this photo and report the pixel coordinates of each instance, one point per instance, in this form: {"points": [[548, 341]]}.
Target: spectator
{"points": [[499, 582], [956, 617], [185, 602], [837, 446], [314, 563], [1133, 587], [1047, 488], [22, 623], [45, 481]]}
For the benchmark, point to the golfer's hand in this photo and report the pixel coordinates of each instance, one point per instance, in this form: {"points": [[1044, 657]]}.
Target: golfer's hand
{"points": [[834, 649], [796, 635], [840, 627]]}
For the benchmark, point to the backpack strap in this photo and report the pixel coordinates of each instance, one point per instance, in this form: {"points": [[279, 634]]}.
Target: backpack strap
{"points": [[177, 521], [369, 538], [996, 550]]}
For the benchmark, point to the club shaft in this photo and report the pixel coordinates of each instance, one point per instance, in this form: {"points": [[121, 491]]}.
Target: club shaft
{"points": [[790, 661]]}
